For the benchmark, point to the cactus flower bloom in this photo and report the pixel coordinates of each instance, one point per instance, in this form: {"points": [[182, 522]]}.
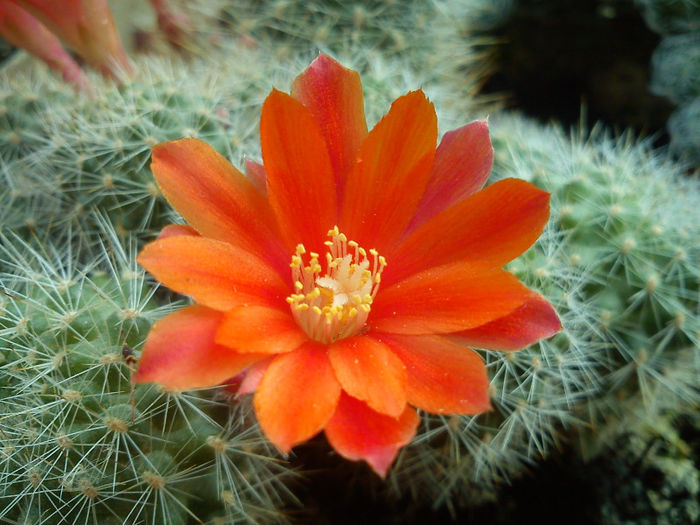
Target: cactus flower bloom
{"points": [[21, 29], [85, 26], [347, 274]]}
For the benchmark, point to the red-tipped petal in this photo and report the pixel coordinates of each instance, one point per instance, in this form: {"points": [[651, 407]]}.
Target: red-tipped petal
{"points": [[527, 324], [297, 396], [300, 180], [489, 228], [217, 199], [443, 377], [462, 164], [260, 329], [448, 298], [333, 94], [87, 27], [369, 371], [256, 175], [357, 432], [391, 173], [214, 273], [176, 230], [180, 352], [21, 29]]}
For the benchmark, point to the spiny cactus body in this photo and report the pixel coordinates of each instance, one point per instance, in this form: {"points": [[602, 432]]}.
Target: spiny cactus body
{"points": [[78, 444]]}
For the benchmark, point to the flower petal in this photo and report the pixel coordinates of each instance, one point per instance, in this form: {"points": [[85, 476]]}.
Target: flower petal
{"points": [[175, 230], [334, 96], [180, 352], [530, 322], [260, 329], [217, 199], [443, 377], [448, 298], [462, 164], [87, 27], [300, 180], [369, 371], [489, 228], [214, 273], [391, 173], [357, 432], [22, 30], [256, 175], [297, 396]]}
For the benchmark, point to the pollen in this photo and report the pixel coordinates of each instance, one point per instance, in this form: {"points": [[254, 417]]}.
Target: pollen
{"points": [[334, 304]]}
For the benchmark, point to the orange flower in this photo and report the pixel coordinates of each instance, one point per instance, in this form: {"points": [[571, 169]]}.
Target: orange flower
{"points": [[348, 273], [85, 26], [21, 29]]}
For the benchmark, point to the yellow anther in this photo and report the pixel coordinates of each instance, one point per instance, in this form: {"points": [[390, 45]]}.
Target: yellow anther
{"points": [[341, 295]]}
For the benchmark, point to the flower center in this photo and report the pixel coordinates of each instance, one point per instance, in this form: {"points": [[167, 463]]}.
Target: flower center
{"points": [[336, 304]]}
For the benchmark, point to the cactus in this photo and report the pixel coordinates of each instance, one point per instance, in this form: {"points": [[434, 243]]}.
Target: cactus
{"points": [[676, 68], [659, 453], [78, 445]]}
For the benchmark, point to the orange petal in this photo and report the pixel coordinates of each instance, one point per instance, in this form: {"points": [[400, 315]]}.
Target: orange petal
{"points": [[297, 396], [462, 164], [260, 329], [180, 352], [532, 321], [391, 173], [369, 371], [443, 377], [22, 30], [300, 180], [490, 228], [256, 175], [357, 432], [446, 299], [214, 273], [334, 96], [217, 199], [87, 27], [175, 230]]}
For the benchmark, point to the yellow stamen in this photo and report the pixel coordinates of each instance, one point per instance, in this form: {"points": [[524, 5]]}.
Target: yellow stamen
{"points": [[335, 305]]}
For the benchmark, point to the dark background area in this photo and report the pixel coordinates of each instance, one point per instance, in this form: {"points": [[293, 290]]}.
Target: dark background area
{"points": [[556, 57]]}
